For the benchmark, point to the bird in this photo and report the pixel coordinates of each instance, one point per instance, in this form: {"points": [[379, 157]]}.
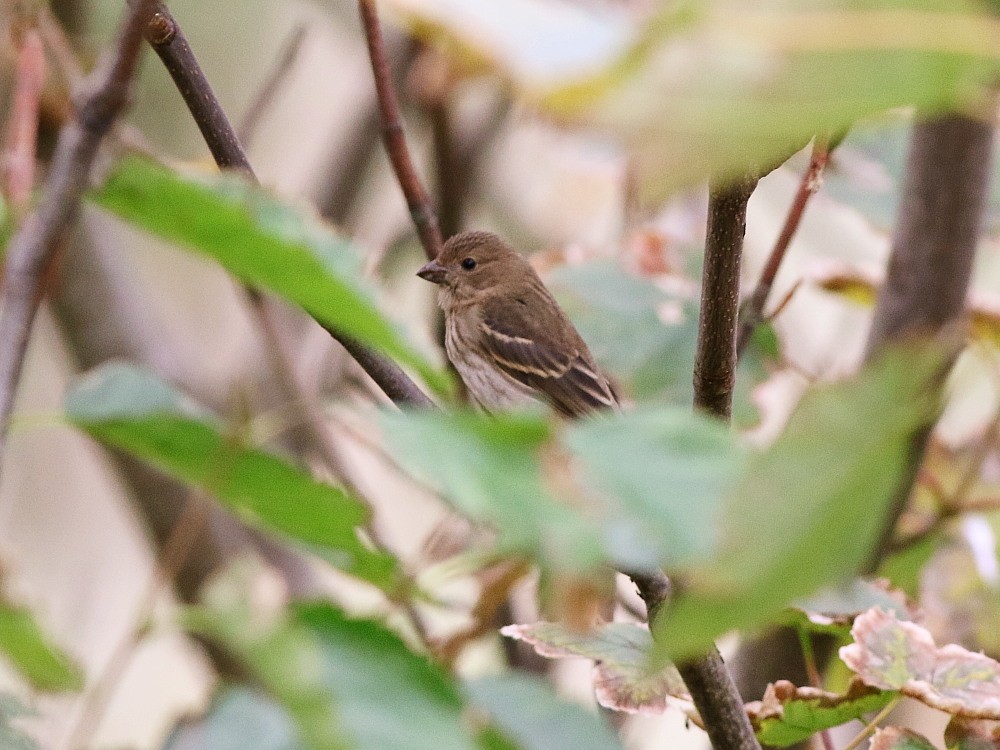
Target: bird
{"points": [[506, 335]]}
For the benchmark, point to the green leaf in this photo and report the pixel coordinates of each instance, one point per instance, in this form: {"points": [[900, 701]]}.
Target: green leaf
{"points": [[663, 473], [261, 241], [718, 86], [832, 610], [527, 710], [132, 409], [636, 490], [489, 469], [44, 665], [347, 684], [239, 718], [788, 715], [653, 363], [387, 696], [809, 510]]}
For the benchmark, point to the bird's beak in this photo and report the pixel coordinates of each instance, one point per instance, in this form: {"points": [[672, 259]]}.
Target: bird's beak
{"points": [[433, 272]]}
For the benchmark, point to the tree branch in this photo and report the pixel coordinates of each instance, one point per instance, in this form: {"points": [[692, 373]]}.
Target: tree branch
{"points": [[417, 199], [752, 313], [715, 357], [20, 145], [31, 250], [168, 40], [265, 95], [708, 680], [933, 250]]}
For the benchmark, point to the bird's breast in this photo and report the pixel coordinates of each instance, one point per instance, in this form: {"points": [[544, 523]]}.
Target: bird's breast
{"points": [[489, 386]]}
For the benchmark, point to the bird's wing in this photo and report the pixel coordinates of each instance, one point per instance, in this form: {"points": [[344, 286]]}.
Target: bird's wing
{"points": [[554, 362]]}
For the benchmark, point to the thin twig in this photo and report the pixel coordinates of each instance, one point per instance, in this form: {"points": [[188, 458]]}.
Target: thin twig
{"points": [[264, 98], [340, 194], [57, 44], [173, 555], [20, 145], [168, 40], [871, 726], [33, 247], [809, 659], [752, 313], [417, 199]]}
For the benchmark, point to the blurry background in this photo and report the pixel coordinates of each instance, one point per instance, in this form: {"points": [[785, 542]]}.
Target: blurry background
{"points": [[78, 529]]}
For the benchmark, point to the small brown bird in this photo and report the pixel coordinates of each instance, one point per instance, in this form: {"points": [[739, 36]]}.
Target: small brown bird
{"points": [[506, 334]]}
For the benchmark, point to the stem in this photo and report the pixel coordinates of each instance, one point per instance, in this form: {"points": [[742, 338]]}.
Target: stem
{"points": [[173, 556], [32, 249], [264, 98], [753, 310], [168, 41], [708, 680], [871, 726], [417, 200], [22, 128], [809, 659], [933, 251], [715, 357]]}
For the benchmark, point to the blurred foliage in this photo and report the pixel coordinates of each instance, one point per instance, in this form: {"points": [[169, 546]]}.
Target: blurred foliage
{"points": [[798, 520], [760, 531], [137, 412], [23, 642], [704, 87]]}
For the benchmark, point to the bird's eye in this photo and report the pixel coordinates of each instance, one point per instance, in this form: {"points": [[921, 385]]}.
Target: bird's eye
{"points": [[469, 263]]}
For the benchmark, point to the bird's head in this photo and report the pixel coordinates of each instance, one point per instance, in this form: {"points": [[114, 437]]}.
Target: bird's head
{"points": [[473, 262]]}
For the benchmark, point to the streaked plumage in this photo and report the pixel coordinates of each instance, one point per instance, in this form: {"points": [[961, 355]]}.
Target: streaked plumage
{"points": [[506, 334]]}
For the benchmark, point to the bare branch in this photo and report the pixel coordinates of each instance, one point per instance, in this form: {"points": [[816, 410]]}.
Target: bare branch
{"points": [[715, 358], [167, 38], [933, 251], [169, 42], [21, 143], [752, 313], [33, 247], [417, 199], [272, 84]]}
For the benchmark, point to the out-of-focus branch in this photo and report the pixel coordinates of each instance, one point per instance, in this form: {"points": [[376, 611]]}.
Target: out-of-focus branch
{"points": [[934, 246], [272, 84], [33, 247], [21, 142], [417, 199], [167, 38], [339, 195], [752, 313]]}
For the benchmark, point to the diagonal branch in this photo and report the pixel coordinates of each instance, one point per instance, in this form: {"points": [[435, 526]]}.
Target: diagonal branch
{"points": [[166, 37], [20, 145], [32, 249], [417, 200], [752, 313]]}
